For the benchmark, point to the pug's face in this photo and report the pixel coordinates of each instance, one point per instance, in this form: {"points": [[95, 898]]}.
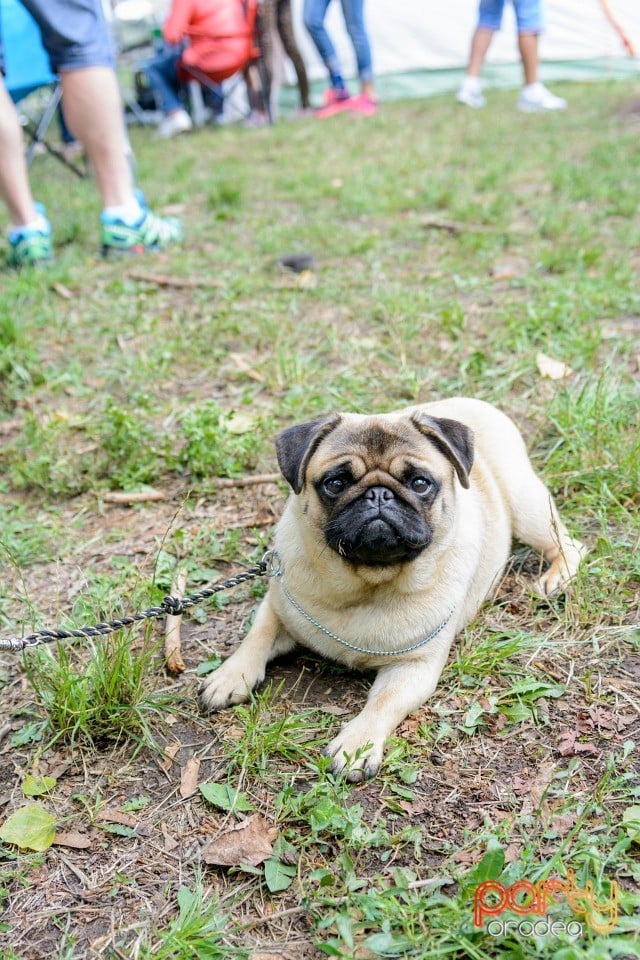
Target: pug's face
{"points": [[376, 488]]}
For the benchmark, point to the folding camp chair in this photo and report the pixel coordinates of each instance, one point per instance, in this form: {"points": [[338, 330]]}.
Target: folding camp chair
{"points": [[26, 71], [236, 57]]}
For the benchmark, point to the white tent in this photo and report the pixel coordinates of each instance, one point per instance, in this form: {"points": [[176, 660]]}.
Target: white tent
{"points": [[420, 47], [414, 36]]}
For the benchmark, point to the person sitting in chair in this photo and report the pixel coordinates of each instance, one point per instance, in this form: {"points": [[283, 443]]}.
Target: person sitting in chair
{"points": [[206, 36]]}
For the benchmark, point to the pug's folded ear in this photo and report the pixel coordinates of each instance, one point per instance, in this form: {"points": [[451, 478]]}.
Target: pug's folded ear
{"points": [[296, 445], [452, 438]]}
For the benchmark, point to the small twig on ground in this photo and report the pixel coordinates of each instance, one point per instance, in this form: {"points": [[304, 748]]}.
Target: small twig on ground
{"points": [[162, 280], [626, 697], [172, 651], [253, 481], [452, 226], [62, 291], [291, 912], [82, 877], [242, 364], [418, 884], [141, 496]]}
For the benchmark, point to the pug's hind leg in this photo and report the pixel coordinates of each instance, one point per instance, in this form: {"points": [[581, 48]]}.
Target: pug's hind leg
{"points": [[234, 680], [397, 691], [538, 524]]}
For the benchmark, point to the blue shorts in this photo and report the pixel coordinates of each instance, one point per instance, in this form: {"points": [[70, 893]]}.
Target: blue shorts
{"points": [[528, 15], [75, 33]]}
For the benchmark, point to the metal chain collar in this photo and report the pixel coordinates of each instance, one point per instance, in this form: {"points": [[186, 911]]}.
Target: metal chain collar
{"points": [[276, 570]]}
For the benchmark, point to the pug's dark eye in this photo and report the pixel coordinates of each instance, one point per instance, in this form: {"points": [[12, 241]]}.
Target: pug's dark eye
{"points": [[420, 485], [334, 486]]}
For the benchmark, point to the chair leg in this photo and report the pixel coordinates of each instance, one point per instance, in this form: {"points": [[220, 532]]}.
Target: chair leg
{"points": [[37, 133], [199, 112], [43, 124], [265, 88]]}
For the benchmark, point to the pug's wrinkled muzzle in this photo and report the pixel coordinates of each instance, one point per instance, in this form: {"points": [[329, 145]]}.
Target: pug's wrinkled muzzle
{"points": [[378, 529]]}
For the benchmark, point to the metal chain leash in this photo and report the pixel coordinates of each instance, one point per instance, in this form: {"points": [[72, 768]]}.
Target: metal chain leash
{"points": [[170, 606]]}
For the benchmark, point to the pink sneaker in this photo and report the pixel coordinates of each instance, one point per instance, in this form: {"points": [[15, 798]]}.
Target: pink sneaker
{"points": [[363, 105], [339, 105], [332, 95]]}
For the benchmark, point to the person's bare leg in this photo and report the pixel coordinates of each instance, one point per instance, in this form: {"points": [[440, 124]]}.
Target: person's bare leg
{"points": [[14, 180], [480, 43], [528, 46], [93, 111]]}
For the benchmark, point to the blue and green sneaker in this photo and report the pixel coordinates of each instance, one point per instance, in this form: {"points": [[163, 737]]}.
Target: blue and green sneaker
{"points": [[149, 233], [31, 245]]}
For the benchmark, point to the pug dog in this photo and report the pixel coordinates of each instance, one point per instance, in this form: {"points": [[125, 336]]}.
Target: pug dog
{"points": [[398, 527]]}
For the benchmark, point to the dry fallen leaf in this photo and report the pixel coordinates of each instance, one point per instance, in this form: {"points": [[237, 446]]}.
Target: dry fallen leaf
{"points": [[333, 709], [570, 746], [541, 780], [562, 823], [170, 752], [512, 853], [416, 807], [110, 815], [552, 369], [189, 777], [467, 856], [73, 839], [249, 842], [603, 719], [170, 842], [410, 726], [533, 788]]}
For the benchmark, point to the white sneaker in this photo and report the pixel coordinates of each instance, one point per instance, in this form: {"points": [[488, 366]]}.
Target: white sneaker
{"points": [[535, 97], [177, 122], [470, 93]]}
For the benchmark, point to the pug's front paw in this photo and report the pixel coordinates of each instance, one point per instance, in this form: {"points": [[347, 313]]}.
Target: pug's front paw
{"points": [[230, 684], [357, 753], [562, 569]]}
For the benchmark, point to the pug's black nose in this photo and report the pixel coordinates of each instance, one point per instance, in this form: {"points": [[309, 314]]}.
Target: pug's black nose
{"points": [[378, 495]]}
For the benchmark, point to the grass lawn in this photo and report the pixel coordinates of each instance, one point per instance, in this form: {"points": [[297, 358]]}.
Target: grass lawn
{"points": [[450, 249]]}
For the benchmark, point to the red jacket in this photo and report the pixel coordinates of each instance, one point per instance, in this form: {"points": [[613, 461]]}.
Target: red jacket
{"points": [[220, 33]]}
